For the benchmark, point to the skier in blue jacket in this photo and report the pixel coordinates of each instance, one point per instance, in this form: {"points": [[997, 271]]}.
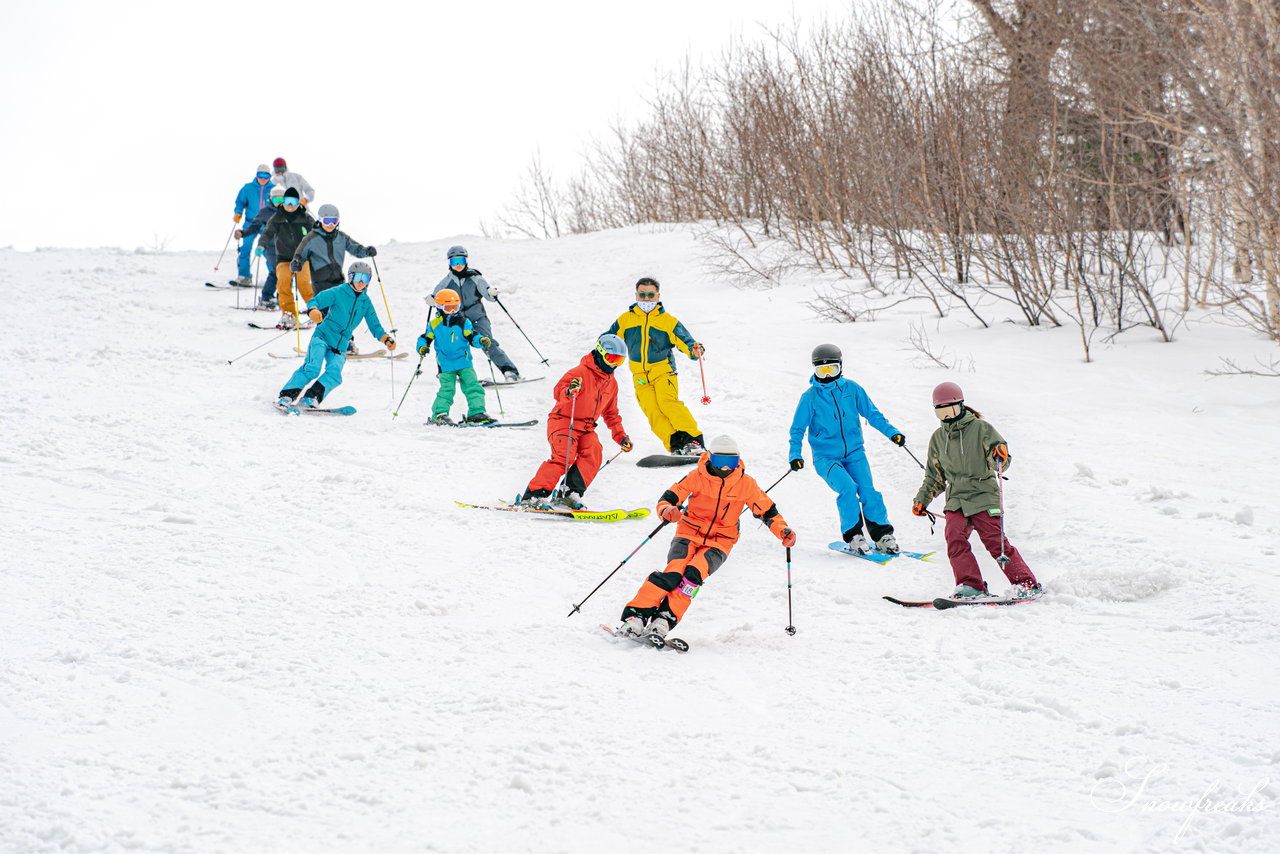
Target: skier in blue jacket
{"points": [[267, 247], [830, 411], [253, 197], [337, 312]]}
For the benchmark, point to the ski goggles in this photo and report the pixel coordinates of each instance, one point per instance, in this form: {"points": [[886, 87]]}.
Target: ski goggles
{"points": [[363, 278], [458, 261], [289, 200], [262, 175], [646, 295], [276, 200], [729, 462], [614, 359], [328, 220], [828, 369]]}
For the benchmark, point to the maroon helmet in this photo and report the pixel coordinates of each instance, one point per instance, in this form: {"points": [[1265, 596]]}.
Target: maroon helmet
{"points": [[946, 394]]}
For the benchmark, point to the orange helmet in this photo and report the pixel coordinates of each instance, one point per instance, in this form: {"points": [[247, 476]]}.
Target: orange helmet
{"points": [[449, 301]]}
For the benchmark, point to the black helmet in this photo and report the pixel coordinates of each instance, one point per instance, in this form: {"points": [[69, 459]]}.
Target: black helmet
{"points": [[825, 354]]}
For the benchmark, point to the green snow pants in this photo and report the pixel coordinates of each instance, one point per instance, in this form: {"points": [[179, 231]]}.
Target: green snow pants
{"points": [[471, 389]]}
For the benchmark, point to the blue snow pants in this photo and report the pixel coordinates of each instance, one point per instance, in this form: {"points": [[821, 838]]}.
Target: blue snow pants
{"points": [[319, 354], [856, 494], [246, 255], [480, 323], [269, 286]]}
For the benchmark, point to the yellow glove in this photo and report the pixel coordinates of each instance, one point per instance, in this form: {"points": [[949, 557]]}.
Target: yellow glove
{"points": [[315, 315], [237, 219]]}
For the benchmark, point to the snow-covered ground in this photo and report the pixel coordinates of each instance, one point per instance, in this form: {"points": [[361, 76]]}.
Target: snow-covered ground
{"points": [[225, 630]]}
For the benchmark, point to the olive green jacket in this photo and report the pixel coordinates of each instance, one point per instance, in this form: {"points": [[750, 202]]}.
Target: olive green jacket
{"points": [[960, 461]]}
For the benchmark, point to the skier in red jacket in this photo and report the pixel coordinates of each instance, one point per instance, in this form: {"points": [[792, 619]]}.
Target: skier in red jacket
{"points": [[583, 395]]}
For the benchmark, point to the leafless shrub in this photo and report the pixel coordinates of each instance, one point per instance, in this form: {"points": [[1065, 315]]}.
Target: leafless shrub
{"points": [[1230, 369]]}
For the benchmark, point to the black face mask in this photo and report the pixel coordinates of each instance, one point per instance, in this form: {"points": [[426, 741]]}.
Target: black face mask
{"points": [[957, 416], [601, 363]]}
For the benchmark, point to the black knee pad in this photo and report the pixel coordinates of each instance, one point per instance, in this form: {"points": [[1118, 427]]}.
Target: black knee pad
{"points": [[665, 580]]}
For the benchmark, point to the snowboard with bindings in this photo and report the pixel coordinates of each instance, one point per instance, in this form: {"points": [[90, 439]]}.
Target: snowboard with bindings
{"points": [[880, 557], [657, 461], [652, 641]]}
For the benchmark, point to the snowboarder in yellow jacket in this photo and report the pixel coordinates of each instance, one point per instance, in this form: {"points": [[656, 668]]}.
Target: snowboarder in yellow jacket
{"points": [[652, 336]]}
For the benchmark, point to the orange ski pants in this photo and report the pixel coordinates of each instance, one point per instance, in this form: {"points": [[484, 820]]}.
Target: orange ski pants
{"points": [[284, 286], [672, 589]]}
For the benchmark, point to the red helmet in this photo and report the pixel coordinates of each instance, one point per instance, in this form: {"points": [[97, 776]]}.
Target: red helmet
{"points": [[946, 394]]}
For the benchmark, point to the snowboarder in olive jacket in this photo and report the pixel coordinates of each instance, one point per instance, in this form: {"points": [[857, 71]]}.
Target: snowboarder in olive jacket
{"points": [[962, 459]]}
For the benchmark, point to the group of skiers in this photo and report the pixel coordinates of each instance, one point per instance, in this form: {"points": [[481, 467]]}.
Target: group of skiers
{"points": [[966, 455]]}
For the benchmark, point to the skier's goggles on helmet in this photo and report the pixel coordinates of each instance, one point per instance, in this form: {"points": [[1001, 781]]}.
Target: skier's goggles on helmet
{"points": [[458, 261], [725, 461], [361, 277], [827, 369], [615, 359], [289, 200], [328, 220], [264, 174]]}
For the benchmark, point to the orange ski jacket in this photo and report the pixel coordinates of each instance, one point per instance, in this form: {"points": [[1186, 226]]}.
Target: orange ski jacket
{"points": [[715, 503]]}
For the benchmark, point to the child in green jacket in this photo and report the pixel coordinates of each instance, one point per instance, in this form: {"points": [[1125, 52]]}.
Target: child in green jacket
{"points": [[963, 457]]}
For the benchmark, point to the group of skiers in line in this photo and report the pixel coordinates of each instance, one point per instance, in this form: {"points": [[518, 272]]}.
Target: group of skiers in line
{"points": [[965, 456]]}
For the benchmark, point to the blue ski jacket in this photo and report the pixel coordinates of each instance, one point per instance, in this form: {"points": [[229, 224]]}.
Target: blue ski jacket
{"points": [[252, 198], [343, 310], [831, 413], [453, 337]]}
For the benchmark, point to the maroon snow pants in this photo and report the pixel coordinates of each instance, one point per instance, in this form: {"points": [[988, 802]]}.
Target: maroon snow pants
{"points": [[965, 565]]}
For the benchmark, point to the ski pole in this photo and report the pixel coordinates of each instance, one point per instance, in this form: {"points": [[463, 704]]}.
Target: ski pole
{"points": [[652, 534], [1003, 559], [494, 379], [513, 320], [791, 628], [606, 462], [568, 452], [385, 304], [706, 401], [224, 247], [913, 456], [260, 346], [747, 507], [409, 386]]}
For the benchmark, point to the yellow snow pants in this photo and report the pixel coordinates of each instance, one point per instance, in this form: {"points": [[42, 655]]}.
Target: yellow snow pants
{"points": [[658, 393]]}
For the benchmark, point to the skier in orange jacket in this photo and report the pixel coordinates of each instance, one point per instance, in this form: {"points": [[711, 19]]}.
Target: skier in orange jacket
{"points": [[706, 531]]}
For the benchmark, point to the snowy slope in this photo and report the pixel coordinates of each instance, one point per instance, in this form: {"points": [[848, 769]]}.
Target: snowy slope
{"points": [[225, 630]]}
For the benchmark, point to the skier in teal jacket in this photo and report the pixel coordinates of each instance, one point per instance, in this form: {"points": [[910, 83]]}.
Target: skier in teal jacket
{"points": [[831, 411], [337, 312]]}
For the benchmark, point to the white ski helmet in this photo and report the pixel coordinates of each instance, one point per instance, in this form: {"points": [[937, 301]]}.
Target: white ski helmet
{"points": [[327, 210]]}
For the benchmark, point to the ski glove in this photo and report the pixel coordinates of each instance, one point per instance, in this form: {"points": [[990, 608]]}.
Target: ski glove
{"points": [[315, 315], [625, 444], [898, 439], [295, 266], [797, 464], [485, 342], [788, 537], [1000, 453], [697, 350], [493, 292], [423, 349], [370, 252], [237, 220], [239, 234], [390, 342], [670, 513], [917, 509], [257, 250], [575, 386]]}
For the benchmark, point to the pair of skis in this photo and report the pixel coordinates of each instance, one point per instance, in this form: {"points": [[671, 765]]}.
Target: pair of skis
{"points": [[651, 641], [434, 423], [578, 515], [376, 354], [298, 410], [943, 603]]}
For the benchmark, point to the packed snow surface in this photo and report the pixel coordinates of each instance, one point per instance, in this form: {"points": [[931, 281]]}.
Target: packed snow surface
{"points": [[227, 630]]}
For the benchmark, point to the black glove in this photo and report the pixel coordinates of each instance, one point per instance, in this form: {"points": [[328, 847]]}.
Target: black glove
{"points": [[898, 439], [295, 266], [797, 464], [370, 252]]}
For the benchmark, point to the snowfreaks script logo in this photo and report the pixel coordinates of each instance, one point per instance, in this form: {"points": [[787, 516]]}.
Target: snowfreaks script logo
{"points": [[1130, 791]]}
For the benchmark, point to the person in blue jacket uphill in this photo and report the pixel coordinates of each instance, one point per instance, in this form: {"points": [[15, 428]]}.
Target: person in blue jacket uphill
{"points": [[454, 336], [337, 312], [830, 411], [472, 289], [266, 248], [253, 197]]}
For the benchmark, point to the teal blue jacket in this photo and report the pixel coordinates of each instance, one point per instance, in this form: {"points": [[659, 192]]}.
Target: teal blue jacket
{"points": [[343, 310], [453, 337]]}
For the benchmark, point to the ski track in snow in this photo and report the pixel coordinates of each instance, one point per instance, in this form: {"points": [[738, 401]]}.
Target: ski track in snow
{"points": [[226, 630]]}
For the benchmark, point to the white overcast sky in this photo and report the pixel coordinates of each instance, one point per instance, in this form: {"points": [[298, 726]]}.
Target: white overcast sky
{"points": [[128, 123]]}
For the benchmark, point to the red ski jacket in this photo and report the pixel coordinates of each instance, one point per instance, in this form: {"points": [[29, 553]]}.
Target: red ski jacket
{"points": [[598, 398]]}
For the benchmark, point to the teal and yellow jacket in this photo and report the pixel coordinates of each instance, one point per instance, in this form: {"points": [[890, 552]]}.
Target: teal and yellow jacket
{"points": [[651, 337]]}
